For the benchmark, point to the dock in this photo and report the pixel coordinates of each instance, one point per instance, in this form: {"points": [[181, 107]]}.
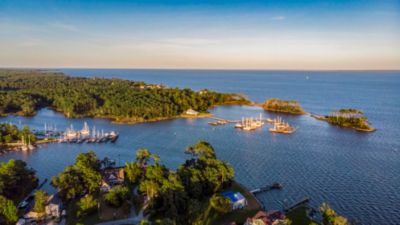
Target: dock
{"points": [[274, 186], [303, 201]]}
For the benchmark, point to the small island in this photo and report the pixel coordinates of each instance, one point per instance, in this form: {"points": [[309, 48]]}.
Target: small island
{"points": [[283, 106], [351, 118]]}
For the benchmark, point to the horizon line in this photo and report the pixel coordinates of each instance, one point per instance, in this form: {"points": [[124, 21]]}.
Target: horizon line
{"points": [[198, 69]]}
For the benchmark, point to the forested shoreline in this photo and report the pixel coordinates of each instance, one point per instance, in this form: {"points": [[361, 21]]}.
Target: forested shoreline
{"points": [[24, 92]]}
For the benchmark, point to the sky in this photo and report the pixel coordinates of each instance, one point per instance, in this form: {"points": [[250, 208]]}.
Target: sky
{"points": [[209, 34]]}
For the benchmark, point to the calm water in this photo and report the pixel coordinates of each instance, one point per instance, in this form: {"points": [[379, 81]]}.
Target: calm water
{"points": [[357, 173]]}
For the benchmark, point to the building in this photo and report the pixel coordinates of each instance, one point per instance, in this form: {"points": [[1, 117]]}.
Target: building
{"points": [[238, 201], [111, 177], [192, 112], [265, 218], [54, 206]]}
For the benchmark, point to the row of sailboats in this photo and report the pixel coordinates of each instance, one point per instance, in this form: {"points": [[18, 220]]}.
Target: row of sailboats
{"points": [[250, 123], [279, 125], [85, 135]]}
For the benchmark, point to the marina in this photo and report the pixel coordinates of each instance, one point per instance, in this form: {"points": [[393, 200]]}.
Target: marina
{"points": [[70, 135]]}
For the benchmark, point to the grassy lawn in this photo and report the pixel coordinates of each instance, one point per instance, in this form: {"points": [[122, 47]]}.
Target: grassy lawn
{"points": [[298, 216], [72, 219]]}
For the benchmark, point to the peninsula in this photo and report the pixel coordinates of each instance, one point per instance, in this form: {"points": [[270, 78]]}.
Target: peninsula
{"points": [[23, 92], [283, 106], [351, 118]]}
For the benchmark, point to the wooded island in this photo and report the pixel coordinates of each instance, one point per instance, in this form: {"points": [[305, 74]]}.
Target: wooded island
{"points": [[24, 92]]}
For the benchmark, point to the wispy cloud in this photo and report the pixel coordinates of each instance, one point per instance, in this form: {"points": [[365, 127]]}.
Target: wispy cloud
{"points": [[64, 26], [278, 18]]}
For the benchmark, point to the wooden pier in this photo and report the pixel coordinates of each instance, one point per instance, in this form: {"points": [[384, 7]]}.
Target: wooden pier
{"points": [[274, 186]]}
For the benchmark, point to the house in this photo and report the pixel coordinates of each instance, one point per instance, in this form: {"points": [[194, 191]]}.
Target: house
{"points": [[265, 218], [54, 206], [191, 112], [111, 177], [238, 201]]}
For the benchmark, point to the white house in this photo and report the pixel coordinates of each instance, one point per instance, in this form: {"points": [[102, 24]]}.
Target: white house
{"points": [[191, 112]]}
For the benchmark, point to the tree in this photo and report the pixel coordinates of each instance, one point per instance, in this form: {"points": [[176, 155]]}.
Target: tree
{"points": [[8, 211], [220, 204], [16, 179], [133, 172], [117, 195], [70, 183], [82, 177], [201, 148], [142, 156], [86, 205], [41, 198], [330, 217]]}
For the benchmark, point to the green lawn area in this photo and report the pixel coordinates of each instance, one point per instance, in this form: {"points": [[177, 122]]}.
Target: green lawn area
{"points": [[298, 216]]}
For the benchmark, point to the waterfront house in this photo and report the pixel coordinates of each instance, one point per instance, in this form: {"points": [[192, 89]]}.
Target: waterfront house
{"points": [[265, 218], [111, 177], [238, 201], [192, 112], [54, 206]]}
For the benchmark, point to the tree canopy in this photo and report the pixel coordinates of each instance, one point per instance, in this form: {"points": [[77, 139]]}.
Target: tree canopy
{"points": [[25, 91], [81, 178]]}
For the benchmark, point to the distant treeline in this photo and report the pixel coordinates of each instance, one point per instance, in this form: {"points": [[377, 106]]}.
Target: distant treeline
{"points": [[23, 92]]}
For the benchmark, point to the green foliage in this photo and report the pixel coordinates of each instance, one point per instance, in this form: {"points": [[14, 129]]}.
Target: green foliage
{"points": [[24, 92], [80, 178], [201, 148], [220, 203], [8, 211], [349, 118], [16, 180], [10, 133], [86, 205], [133, 172], [41, 198], [117, 195], [174, 195], [205, 175], [278, 105], [330, 217]]}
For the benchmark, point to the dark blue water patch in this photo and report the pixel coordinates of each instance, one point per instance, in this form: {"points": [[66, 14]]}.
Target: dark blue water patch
{"points": [[357, 173]]}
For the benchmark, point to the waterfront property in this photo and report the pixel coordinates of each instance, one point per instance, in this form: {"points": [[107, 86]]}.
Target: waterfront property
{"points": [[111, 177], [238, 201], [267, 218]]}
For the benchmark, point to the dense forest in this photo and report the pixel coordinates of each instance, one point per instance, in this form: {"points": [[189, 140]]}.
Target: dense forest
{"points": [[23, 92], [278, 105]]}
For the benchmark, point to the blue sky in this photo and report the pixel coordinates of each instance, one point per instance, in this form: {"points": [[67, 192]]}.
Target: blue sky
{"points": [[201, 34]]}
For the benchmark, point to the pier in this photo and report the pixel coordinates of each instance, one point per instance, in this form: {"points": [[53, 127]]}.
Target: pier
{"points": [[274, 186]]}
